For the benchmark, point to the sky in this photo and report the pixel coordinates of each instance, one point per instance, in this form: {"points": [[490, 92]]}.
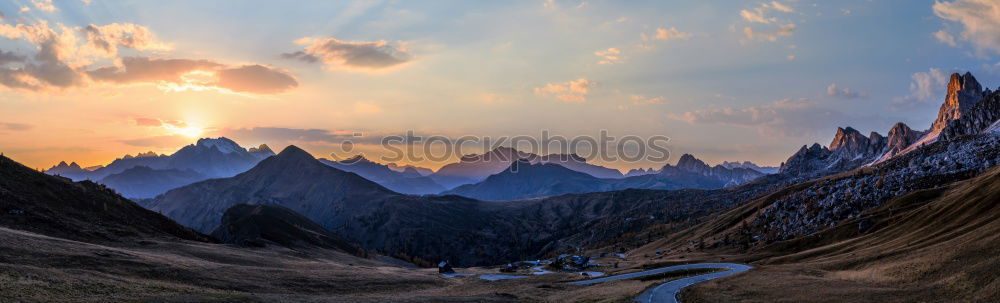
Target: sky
{"points": [[90, 81]]}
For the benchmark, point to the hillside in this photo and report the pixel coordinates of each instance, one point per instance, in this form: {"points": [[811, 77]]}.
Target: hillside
{"points": [[261, 225], [936, 244], [83, 211]]}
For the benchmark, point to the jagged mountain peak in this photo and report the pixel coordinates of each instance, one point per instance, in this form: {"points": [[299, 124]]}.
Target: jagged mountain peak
{"points": [[899, 127], [293, 152], [689, 159], [355, 159], [223, 144], [963, 93], [849, 138], [64, 165], [263, 148], [147, 154]]}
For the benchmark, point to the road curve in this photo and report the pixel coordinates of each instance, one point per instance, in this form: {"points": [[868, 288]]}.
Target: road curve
{"points": [[667, 292]]}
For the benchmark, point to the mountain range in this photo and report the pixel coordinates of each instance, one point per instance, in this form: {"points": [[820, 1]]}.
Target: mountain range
{"points": [[968, 109], [524, 180], [476, 167], [407, 181], [146, 175]]}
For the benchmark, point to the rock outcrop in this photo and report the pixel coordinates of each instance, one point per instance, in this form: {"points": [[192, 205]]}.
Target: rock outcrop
{"points": [[977, 119], [901, 137], [808, 160], [967, 109], [964, 92]]}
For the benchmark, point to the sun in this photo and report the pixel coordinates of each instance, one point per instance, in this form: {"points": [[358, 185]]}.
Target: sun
{"points": [[187, 131]]}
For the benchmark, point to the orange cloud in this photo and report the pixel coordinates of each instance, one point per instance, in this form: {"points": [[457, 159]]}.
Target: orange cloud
{"points": [[106, 39], [62, 62], [571, 92], [182, 73], [368, 55]]}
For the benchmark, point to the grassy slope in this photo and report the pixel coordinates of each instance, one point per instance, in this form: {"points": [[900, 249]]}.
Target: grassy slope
{"points": [[931, 245]]}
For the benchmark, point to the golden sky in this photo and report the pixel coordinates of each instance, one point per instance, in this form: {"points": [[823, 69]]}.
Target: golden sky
{"points": [[90, 81]]}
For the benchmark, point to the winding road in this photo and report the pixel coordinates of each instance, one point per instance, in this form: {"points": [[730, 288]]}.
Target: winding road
{"points": [[667, 292]]}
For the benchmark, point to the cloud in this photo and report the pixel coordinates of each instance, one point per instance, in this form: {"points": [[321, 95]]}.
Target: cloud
{"points": [[945, 37], [44, 5], [785, 118], [925, 86], [105, 39], [775, 28], [64, 60], [980, 20], [784, 30], [282, 134], [256, 79], [843, 93], [640, 100], [153, 122], [181, 74], [51, 66], [610, 56], [662, 34], [142, 69], [758, 14], [671, 34], [10, 57], [570, 92], [781, 7], [14, 126], [365, 55], [158, 141], [148, 122]]}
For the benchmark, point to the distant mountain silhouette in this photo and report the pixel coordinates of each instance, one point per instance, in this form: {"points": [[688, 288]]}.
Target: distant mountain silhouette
{"points": [[407, 182], [751, 165], [641, 172], [475, 168], [209, 158], [82, 211], [144, 182], [292, 175], [405, 168], [525, 180], [263, 224]]}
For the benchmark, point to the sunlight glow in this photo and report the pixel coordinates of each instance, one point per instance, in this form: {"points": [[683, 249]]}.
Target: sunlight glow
{"points": [[187, 131]]}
